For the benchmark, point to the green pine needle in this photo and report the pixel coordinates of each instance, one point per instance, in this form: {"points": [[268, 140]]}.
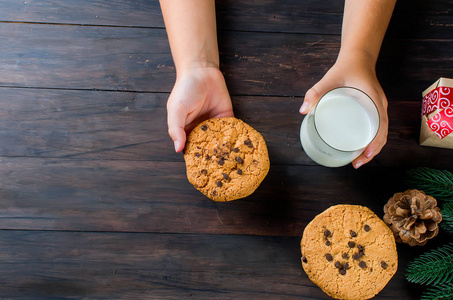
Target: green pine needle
{"points": [[434, 267], [436, 183], [447, 217], [440, 292]]}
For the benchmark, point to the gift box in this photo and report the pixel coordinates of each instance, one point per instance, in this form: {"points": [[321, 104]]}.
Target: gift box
{"points": [[437, 115]]}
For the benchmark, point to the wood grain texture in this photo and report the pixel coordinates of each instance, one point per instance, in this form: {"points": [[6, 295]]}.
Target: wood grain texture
{"points": [[138, 59], [84, 124], [79, 57], [132, 126], [411, 18], [95, 204], [138, 13], [56, 265], [140, 196]]}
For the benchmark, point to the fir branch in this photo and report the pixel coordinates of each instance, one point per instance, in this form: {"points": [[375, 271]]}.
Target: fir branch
{"points": [[436, 183], [440, 292], [447, 217], [434, 267]]}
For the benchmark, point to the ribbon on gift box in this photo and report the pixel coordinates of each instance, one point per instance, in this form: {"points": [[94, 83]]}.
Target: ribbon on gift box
{"points": [[439, 98]]}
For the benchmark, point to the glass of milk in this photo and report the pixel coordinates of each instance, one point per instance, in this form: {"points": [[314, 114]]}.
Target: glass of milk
{"points": [[339, 127]]}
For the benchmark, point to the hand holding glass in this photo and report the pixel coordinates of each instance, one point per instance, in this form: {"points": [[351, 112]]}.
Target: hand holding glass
{"points": [[341, 125]]}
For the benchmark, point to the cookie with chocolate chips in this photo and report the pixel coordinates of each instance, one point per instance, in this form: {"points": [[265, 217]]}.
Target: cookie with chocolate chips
{"points": [[359, 259], [226, 159]]}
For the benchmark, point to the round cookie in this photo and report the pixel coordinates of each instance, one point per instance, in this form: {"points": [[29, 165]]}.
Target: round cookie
{"points": [[349, 252], [226, 159]]}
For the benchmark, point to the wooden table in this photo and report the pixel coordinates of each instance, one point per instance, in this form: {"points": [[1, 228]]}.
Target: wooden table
{"points": [[95, 204]]}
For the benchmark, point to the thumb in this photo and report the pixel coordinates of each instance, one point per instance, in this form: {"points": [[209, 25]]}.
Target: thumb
{"points": [[176, 119], [313, 95]]}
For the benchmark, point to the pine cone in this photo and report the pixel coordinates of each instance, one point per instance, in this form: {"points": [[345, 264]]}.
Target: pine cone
{"points": [[413, 217]]}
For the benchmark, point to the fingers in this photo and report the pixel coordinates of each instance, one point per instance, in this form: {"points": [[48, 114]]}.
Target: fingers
{"points": [[311, 98], [176, 119], [313, 95], [371, 151]]}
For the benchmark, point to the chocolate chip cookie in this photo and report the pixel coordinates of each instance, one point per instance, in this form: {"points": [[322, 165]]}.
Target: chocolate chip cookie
{"points": [[349, 252], [226, 159]]}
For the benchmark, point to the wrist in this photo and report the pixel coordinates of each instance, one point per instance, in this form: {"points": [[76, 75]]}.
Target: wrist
{"points": [[357, 57], [197, 68], [205, 59]]}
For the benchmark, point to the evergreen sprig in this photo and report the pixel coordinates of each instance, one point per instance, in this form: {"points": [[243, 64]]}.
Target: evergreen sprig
{"points": [[447, 217], [436, 183], [439, 292], [434, 267]]}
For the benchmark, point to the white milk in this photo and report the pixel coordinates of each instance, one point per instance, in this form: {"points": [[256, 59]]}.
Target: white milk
{"points": [[340, 127]]}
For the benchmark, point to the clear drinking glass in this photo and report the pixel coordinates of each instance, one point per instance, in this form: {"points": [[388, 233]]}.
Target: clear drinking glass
{"points": [[339, 127]]}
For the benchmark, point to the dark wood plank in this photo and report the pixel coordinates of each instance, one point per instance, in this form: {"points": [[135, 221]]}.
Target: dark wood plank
{"points": [[84, 124], [140, 196], [132, 126], [139, 13], [56, 265], [290, 64], [412, 18], [314, 17], [80, 57], [422, 19], [137, 59]]}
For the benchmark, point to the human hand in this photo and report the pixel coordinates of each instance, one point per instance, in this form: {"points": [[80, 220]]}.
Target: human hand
{"points": [[355, 70], [200, 93]]}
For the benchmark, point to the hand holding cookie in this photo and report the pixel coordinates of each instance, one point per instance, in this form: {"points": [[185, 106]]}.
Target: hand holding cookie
{"points": [[199, 94]]}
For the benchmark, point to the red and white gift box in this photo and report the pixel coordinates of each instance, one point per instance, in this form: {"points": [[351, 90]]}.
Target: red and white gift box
{"points": [[437, 115]]}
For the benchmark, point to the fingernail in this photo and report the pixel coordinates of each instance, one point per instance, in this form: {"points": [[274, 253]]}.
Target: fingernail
{"points": [[369, 154], [358, 165], [176, 145], [303, 108]]}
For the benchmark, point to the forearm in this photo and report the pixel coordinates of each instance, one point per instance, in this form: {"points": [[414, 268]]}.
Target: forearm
{"points": [[364, 25], [191, 30]]}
